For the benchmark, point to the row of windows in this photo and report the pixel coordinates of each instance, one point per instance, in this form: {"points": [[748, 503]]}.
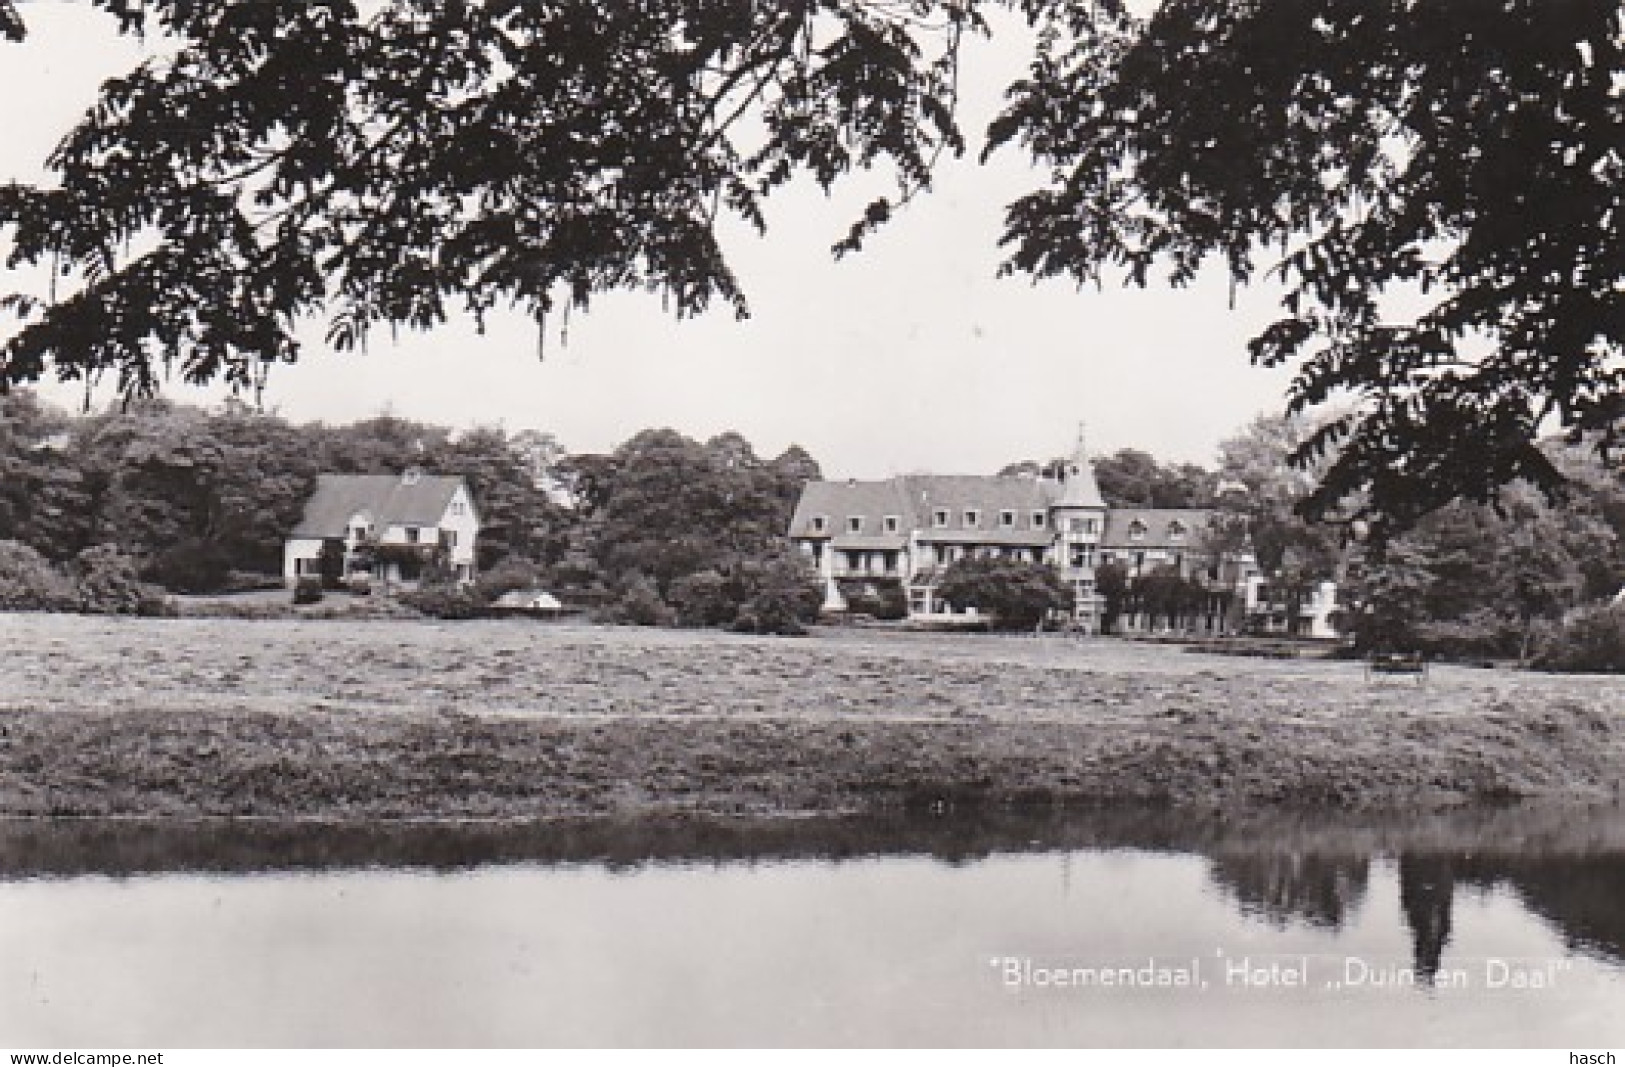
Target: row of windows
{"points": [[1007, 521], [939, 519], [943, 555], [413, 534]]}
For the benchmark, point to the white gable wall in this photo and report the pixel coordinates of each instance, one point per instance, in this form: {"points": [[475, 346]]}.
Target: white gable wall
{"points": [[301, 556]]}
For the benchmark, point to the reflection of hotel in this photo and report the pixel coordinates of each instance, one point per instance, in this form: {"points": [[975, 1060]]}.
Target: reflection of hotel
{"points": [[901, 533]]}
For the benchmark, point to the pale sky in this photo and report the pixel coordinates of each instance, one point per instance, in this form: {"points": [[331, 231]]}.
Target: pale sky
{"points": [[911, 356]]}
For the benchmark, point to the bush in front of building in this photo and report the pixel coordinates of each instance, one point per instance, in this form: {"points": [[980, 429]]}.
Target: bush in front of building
{"points": [[1018, 594], [884, 601], [508, 575], [308, 591], [444, 600], [784, 595]]}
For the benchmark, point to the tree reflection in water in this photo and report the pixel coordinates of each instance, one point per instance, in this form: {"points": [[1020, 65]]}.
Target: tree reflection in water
{"points": [[1286, 887], [1427, 886], [1566, 867]]}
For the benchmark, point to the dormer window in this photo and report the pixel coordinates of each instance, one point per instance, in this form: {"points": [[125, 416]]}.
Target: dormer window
{"points": [[1176, 531], [1039, 519], [893, 523], [854, 524], [1007, 520], [973, 518], [1136, 530], [820, 523], [939, 518]]}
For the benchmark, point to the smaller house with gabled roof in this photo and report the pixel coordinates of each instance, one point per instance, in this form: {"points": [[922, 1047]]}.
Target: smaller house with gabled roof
{"points": [[385, 527]]}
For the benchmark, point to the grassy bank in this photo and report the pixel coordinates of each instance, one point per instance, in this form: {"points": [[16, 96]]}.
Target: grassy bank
{"points": [[519, 720]]}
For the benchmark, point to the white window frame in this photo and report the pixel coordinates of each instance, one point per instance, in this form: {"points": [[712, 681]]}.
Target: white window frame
{"points": [[1039, 520], [820, 523], [893, 523], [940, 518], [1007, 519], [854, 524], [973, 518]]}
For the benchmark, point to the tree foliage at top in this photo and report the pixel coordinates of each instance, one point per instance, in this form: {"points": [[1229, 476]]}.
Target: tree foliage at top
{"points": [[1437, 184], [393, 163], [1132, 478], [1259, 510]]}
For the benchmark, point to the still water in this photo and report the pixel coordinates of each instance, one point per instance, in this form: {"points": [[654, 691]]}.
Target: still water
{"points": [[1503, 928]]}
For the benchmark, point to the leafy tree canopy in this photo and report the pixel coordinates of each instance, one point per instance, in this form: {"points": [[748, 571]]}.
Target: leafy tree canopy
{"points": [[1437, 183], [390, 163]]}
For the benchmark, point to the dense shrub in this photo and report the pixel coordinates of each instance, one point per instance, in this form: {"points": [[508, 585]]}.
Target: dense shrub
{"points": [[191, 565], [784, 595], [253, 582], [773, 611], [109, 583], [444, 600], [28, 582], [506, 576], [1476, 634], [703, 599], [775, 596], [638, 603], [1589, 640], [308, 591]]}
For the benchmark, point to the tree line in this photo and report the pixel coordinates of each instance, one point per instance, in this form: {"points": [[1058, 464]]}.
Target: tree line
{"points": [[188, 500], [107, 511]]}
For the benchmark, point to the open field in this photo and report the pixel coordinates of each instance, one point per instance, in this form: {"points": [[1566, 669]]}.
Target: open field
{"points": [[335, 719]]}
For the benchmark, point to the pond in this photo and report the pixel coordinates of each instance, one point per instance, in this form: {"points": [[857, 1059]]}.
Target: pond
{"points": [[1110, 928]]}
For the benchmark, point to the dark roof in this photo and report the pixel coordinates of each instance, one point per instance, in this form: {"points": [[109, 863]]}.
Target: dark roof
{"points": [[390, 499], [987, 496], [1159, 526], [838, 501], [914, 499]]}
